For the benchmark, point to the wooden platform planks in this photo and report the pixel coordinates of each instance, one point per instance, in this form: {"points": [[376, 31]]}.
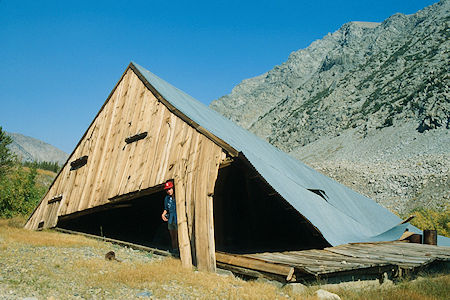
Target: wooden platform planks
{"points": [[370, 258], [380, 252]]}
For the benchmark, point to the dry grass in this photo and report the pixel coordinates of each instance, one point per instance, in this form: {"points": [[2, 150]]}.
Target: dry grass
{"points": [[167, 276], [42, 172], [12, 232], [428, 287], [49, 264]]}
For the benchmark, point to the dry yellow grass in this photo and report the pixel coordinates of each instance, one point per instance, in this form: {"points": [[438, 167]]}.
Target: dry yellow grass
{"points": [[41, 171], [12, 232], [168, 276]]}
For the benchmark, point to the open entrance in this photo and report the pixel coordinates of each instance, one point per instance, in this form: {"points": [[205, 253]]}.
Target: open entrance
{"points": [[135, 220], [249, 216]]}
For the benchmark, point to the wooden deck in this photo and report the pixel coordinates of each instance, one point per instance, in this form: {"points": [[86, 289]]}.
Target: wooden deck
{"points": [[355, 261]]}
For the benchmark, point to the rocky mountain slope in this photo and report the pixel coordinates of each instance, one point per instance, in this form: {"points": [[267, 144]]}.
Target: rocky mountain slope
{"points": [[367, 105], [31, 149]]}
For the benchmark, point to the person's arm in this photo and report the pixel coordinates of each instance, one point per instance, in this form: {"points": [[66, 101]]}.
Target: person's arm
{"points": [[163, 216]]}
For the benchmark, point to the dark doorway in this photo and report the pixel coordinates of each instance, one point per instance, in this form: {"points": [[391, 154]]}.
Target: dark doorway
{"points": [[249, 216], [137, 221]]}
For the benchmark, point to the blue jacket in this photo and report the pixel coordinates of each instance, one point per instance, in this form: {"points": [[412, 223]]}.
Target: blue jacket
{"points": [[171, 207]]}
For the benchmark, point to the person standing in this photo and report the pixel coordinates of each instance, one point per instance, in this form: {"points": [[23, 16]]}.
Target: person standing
{"points": [[169, 215]]}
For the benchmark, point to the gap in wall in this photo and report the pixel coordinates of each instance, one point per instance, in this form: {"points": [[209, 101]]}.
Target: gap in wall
{"points": [[136, 221]]}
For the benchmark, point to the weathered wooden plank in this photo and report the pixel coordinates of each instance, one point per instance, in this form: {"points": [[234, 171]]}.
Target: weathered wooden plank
{"points": [[328, 256], [250, 273], [285, 259], [423, 247], [116, 153], [190, 187], [373, 256], [135, 151], [125, 154], [109, 135], [382, 251], [156, 121], [399, 250], [303, 259], [143, 150], [77, 177], [181, 178], [175, 155], [162, 139], [312, 265], [83, 172], [94, 154], [254, 264], [200, 206], [213, 168], [167, 149], [184, 243]]}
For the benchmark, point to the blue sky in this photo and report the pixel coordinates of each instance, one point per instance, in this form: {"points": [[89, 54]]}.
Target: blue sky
{"points": [[60, 59]]}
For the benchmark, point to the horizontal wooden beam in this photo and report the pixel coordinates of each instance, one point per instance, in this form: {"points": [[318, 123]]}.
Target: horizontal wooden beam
{"points": [[115, 202], [55, 199], [250, 273], [138, 194], [136, 137], [114, 241], [78, 163], [226, 162], [255, 264]]}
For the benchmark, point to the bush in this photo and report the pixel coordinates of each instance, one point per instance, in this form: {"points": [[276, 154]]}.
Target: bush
{"points": [[432, 219], [6, 157], [19, 193]]}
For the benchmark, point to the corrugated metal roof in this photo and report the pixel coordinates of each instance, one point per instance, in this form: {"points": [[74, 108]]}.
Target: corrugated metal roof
{"points": [[345, 216]]}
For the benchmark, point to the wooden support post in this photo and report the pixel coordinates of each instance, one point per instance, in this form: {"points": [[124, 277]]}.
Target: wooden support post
{"points": [[204, 216], [184, 241]]}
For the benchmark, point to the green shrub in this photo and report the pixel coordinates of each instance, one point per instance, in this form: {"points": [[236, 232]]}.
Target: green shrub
{"points": [[19, 193], [432, 219]]}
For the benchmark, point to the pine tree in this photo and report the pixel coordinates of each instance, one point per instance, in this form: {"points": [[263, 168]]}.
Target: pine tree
{"points": [[6, 157]]}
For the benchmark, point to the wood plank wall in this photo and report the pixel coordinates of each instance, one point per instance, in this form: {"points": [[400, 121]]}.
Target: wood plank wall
{"points": [[171, 150]]}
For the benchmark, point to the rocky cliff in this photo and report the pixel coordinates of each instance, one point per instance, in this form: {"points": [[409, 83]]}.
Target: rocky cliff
{"points": [[367, 105]]}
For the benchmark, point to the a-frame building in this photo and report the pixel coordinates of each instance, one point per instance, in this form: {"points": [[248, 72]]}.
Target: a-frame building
{"points": [[234, 191]]}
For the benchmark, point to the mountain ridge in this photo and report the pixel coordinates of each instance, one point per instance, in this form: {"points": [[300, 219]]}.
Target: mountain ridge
{"points": [[374, 91], [31, 149]]}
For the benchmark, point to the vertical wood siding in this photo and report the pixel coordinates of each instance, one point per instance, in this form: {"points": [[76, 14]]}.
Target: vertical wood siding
{"points": [[171, 150]]}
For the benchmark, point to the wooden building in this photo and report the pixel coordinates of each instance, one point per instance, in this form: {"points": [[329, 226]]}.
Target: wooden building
{"points": [[136, 142], [147, 132]]}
